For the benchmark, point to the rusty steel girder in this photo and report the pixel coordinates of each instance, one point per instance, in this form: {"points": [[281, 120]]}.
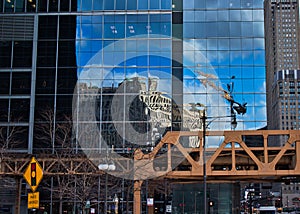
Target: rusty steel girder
{"points": [[50, 165], [276, 154], [232, 159]]}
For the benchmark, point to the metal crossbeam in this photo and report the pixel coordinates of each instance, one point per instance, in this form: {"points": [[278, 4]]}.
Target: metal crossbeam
{"points": [[50, 166], [233, 159]]}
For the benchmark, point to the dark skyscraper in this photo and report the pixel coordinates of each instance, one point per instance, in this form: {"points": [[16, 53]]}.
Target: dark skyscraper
{"points": [[282, 62]]}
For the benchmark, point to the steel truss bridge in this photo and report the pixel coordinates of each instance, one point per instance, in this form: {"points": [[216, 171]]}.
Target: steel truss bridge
{"points": [[262, 154]]}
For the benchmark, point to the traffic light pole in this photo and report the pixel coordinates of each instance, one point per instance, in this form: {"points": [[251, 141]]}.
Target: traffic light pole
{"points": [[203, 118]]}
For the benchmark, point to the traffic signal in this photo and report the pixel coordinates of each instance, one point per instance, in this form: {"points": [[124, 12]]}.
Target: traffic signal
{"points": [[33, 174], [211, 203]]}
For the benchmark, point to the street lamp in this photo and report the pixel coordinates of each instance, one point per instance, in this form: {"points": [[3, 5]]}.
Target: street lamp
{"points": [[235, 108], [106, 166]]}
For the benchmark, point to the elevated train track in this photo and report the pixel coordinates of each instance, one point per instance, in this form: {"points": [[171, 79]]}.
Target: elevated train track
{"points": [[234, 158]]}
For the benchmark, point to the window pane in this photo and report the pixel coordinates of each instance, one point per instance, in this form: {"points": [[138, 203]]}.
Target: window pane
{"points": [[66, 50], [21, 137], [74, 5], [131, 4], [108, 5], [98, 5], [209, 26], [258, 29], [223, 29], [5, 54], [45, 81], [258, 15], [86, 5], [47, 27], [31, 5], [235, 44], [5, 79], [42, 103], [64, 5], [246, 15], [21, 83], [212, 4], [66, 80], [223, 15], [247, 29], [42, 6], [188, 16], [188, 30], [53, 5], [223, 44], [212, 44], [235, 3], [4, 110], [200, 16], [188, 4], [235, 29], [246, 3], [46, 56], [120, 5], [258, 44], [142, 4], [165, 4], [247, 44], [235, 15], [223, 3], [22, 54], [64, 105], [67, 23], [154, 4], [211, 16], [258, 4], [1, 6], [200, 4], [9, 6], [20, 6], [19, 110]]}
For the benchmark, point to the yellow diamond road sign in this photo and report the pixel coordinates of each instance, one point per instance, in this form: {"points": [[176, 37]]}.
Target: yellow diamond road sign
{"points": [[33, 174]]}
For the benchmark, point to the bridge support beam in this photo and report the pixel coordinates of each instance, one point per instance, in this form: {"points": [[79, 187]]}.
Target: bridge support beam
{"points": [[137, 197], [18, 195], [297, 167]]}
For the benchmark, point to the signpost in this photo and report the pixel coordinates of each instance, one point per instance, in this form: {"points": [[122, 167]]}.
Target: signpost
{"points": [[33, 176], [33, 200]]}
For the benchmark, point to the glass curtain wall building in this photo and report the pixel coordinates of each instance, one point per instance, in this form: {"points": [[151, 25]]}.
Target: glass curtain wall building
{"points": [[128, 71], [199, 45]]}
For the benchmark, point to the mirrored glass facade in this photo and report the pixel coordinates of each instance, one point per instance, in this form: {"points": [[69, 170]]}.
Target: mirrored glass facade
{"points": [[225, 39], [189, 52]]}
